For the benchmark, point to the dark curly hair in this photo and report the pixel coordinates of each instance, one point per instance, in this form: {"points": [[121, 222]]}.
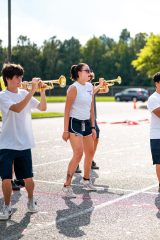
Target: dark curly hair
{"points": [[156, 77], [10, 70]]}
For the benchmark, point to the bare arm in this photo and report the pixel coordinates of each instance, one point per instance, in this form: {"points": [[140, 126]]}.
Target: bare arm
{"points": [[71, 95], [92, 113], [42, 106], [93, 119], [18, 107], [157, 112]]}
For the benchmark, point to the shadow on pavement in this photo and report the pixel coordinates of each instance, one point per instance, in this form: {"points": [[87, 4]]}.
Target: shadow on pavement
{"points": [[70, 220], [157, 204], [10, 229], [70, 226]]}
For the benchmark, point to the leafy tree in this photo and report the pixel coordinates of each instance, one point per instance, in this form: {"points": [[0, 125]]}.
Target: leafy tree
{"points": [[28, 55], [69, 54], [147, 61], [50, 58], [125, 36], [93, 53], [3, 55]]}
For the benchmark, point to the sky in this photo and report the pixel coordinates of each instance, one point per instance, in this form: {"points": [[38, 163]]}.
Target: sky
{"points": [[40, 20]]}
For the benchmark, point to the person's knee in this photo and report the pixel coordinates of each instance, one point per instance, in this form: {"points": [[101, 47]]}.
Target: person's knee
{"points": [[78, 155], [90, 152], [6, 181], [28, 181]]}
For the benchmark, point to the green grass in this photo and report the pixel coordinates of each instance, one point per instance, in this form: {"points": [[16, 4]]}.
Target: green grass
{"points": [[104, 99], [36, 115], [55, 99], [46, 114]]}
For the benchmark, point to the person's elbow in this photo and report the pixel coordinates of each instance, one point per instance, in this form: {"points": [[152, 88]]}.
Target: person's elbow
{"points": [[42, 108], [15, 109]]}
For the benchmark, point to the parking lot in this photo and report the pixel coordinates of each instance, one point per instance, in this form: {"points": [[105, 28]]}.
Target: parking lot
{"points": [[126, 205]]}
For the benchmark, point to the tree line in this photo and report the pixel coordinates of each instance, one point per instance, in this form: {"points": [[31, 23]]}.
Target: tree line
{"points": [[134, 59]]}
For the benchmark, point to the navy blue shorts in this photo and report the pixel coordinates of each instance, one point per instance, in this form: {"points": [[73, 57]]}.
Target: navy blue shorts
{"points": [[22, 163], [155, 150], [97, 129], [80, 127]]}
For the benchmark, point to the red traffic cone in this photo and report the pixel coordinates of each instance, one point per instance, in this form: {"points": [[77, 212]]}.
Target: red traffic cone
{"points": [[134, 103]]}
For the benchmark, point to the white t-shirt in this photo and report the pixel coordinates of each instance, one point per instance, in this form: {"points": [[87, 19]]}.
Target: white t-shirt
{"points": [[82, 105], [153, 103], [16, 127]]}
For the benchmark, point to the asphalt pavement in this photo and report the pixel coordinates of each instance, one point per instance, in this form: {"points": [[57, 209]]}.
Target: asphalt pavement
{"points": [[126, 205]]}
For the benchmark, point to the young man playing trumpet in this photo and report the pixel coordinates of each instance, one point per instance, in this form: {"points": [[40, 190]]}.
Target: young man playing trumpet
{"points": [[102, 88], [16, 183], [16, 138]]}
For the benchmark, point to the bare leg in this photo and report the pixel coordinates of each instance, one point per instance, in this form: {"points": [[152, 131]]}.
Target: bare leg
{"points": [[29, 185], [77, 147], [88, 144], [96, 141], [158, 171], [7, 190]]}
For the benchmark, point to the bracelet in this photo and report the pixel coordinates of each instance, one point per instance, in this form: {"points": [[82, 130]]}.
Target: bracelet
{"points": [[66, 131], [93, 128]]}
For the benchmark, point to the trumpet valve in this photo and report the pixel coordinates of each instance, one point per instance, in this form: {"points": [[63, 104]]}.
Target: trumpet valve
{"points": [[25, 85]]}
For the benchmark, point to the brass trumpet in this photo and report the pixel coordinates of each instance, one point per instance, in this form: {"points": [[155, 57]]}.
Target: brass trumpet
{"points": [[110, 82], [49, 84]]}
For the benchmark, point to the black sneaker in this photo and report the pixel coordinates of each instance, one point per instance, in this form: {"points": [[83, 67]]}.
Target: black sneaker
{"points": [[94, 166], [19, 182], [78, 170], [14, 186]]}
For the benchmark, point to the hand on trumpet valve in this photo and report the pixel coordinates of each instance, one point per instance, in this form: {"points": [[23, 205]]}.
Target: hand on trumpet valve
{"points": [[34, 84], [38, 84], [101, 82], [103, 86]]}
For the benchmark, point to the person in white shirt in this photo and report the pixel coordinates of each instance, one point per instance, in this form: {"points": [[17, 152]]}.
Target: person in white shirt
{"points": [[154, 108], [79, 125], [101, 88], [16, 138]]}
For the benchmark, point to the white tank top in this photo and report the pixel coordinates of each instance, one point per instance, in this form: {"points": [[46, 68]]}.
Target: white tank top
{"points": [[82, 105]]}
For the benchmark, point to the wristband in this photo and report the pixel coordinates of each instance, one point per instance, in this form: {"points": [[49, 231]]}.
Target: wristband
{"points": [[66, 131], [93, 128]]}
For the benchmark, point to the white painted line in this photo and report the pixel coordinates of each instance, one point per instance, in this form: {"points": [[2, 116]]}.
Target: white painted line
{"points": [[91, 209], [49, 182], [152, 193], [53, 162], [108, 188]]}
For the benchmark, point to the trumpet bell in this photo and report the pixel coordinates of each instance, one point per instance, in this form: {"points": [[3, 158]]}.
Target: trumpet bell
{"points": [[119, 80], [113, 81], [61, 81]]}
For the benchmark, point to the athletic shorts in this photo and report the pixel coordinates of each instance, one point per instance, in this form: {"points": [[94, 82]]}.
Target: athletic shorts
{"points": [[80, 127], [22, 163], [155, 150]]}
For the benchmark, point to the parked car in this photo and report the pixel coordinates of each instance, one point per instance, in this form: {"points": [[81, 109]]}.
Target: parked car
{"points": [[129, 94]]}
